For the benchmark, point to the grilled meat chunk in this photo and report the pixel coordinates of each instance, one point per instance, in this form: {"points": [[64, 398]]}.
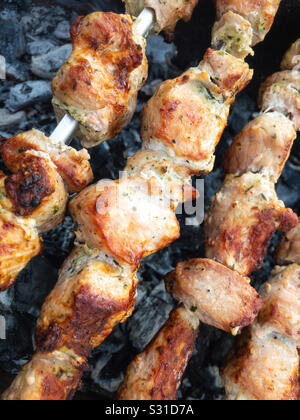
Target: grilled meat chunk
{"points": [[289, 249], [233, 34], [215, 294], [260, 14], [127, 218], [33, 200], [48, 376], [264, 365], [280, 92], [73, 166], [99, 83], [291, 60], [156, 373], [263, 146], [36, 191], [93, 294], [186, 116], [19, 243], [282, 301], [167, 12], [242, 218]]}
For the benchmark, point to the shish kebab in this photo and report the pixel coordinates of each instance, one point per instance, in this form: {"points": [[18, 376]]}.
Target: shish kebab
{"points": [[260, 367], [108, 58], [264, 363], [95, 91], [120, 222]]}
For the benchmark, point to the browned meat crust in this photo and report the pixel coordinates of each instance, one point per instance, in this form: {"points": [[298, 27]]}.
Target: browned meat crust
{"points": [[29, 186], [98, 84], [156, 373], [215, 294], [73, 166], [263, 146], [19, 243], [186, 116], [280, 92], [242, 218], [292, 57], [93, 294], [264, 365], [289, 249], [281, 301], [48, 377], [260, 14], [128, 218]]}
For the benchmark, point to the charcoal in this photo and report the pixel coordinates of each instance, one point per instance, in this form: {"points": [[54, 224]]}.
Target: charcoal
{"points": [[153, 310], [46, 66], [7, 119], [40, 47], [28, 93], [62, 30], [12, 42], [18, 71]]}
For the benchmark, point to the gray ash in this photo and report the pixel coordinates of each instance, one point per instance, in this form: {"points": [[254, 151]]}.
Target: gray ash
{"points": [[34, 39]]}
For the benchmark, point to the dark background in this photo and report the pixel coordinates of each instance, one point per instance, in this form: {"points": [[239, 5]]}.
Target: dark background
{"points": [[26, 22]]}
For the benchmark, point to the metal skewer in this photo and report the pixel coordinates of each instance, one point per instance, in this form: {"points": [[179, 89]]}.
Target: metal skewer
{"points": [[67, 127]]}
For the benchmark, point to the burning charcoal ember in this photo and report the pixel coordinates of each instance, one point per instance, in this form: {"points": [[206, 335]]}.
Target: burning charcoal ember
{"points": [[28, 93], [45, 66]]}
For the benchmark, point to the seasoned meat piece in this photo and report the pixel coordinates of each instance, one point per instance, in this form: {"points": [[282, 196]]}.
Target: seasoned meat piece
{"points": [[289, 249], [36, 191], [217, 295], [128, 218], [167, 12], [264, 365], [48, 376], [291, 60], [99, 83], [263, 146], [260, 13], [242, 218], [19, 243], [282, 301], [32, 201], [230, 74], [281, 92], [233, 34], [156, 373], [186, 116], [93, 294], [73, 166], [175, 179]]}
